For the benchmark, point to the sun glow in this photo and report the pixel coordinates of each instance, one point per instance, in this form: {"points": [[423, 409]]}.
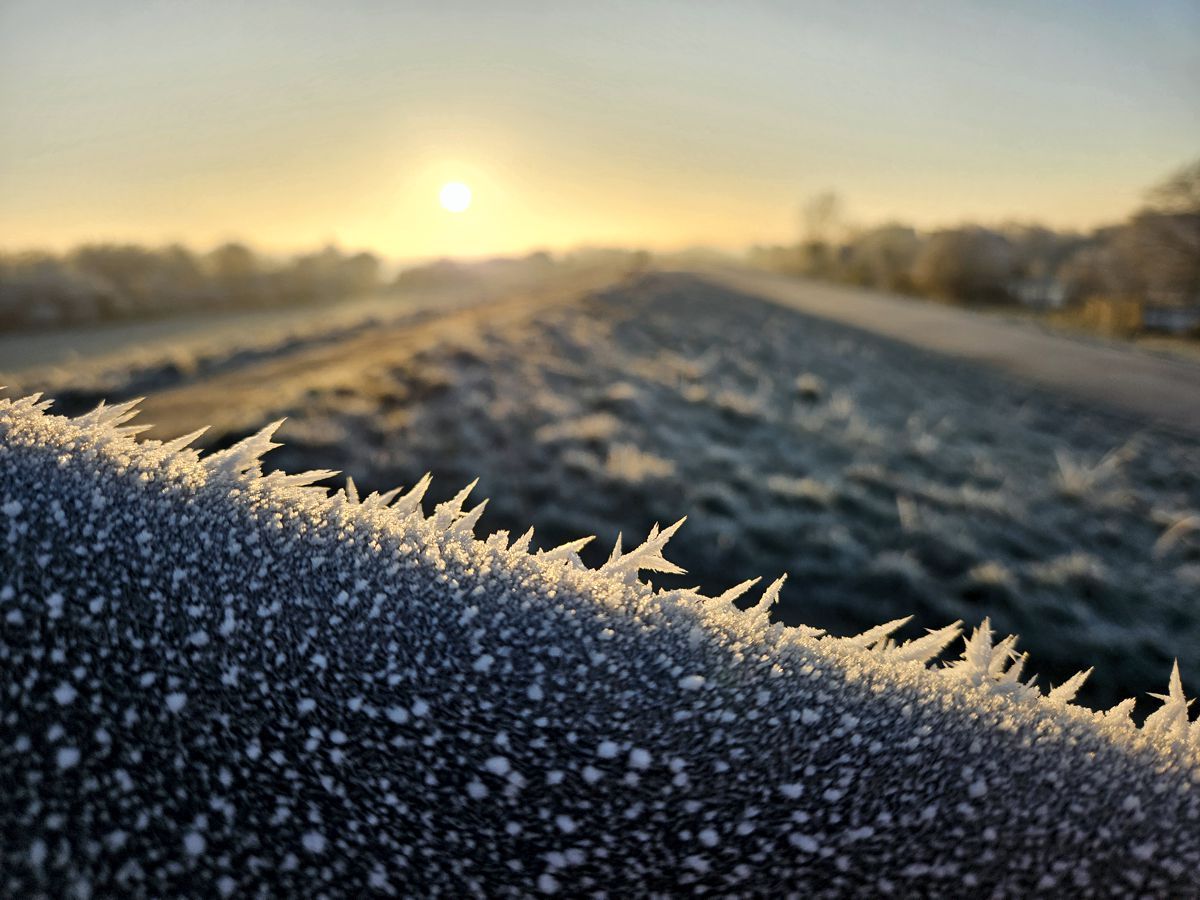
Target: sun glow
{"points": [[455, 196]]}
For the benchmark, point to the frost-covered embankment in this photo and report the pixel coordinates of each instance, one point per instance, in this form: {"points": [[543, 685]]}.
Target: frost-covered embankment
{"points": [[221, 682], [886, 480]]}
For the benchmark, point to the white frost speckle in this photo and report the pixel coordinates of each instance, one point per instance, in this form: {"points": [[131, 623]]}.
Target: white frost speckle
{"points": [[67, 757], [64, 694], [591, 774], [194, 843], [565, 824], [639, 758], [608, 750], [804, 843], [691, 682], [176, 701], [1144, 851], [498, 765], [313, 841], [476, 789]]}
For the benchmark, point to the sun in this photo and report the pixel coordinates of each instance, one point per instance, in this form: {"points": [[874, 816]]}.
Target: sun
{"points": [[455, 196]]}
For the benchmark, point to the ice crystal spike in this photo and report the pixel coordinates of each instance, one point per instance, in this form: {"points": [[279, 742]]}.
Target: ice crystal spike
{"points": [[1122, 712], [1012, 675], [521, 544], [444, 514], [976, 660], [106, 415], [873, 636], [925, 649], [244, 457], [183, 442], [760, 612], [299, 479], [1066, 691], [409, 503], [183, 641], [1003, 653], [32, 403], [497, 541], [616, 550], [646, 558], [568, 552], [1171, 719], [376, 500], [465, 526], [737, 590]]}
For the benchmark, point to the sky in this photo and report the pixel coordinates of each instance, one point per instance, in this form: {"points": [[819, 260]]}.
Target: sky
{"points": [[292, 124]]}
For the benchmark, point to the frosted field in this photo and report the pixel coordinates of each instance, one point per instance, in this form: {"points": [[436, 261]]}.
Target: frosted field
{"points": [[883, 479]]}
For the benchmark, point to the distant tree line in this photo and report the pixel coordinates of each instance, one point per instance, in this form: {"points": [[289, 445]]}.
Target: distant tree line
{"points": [[1153, 257], [99, 282]]}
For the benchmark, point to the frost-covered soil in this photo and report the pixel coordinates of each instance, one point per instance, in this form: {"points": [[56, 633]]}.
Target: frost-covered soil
{"points": [[223, 684], [885, 480]]}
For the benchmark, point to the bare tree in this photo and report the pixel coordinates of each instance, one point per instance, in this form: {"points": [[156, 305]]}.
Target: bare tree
{"points": [[821, 218], [1159, 250], [1178, 193]]}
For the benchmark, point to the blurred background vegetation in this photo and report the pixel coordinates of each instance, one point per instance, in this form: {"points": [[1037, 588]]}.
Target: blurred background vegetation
{"points": [[101, 282], [1143, 273]]}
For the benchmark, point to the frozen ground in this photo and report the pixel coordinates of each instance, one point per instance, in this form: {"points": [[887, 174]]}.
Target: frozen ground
{"points": [[884, 479]]}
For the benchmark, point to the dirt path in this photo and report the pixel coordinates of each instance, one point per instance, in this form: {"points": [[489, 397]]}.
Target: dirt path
{"points": [[241, 399], [1124, 379], [96, 343]]}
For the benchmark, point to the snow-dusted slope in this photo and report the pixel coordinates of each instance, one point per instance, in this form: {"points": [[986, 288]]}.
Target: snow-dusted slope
{"points": [[219, 682]]}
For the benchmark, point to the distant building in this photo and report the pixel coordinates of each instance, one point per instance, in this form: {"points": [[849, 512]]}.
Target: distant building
{"points": [[1171, 319], [1039, 293]]}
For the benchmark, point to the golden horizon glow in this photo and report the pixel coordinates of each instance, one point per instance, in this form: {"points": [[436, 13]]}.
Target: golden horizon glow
{"points": [[599, 126], [455, 197]]}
